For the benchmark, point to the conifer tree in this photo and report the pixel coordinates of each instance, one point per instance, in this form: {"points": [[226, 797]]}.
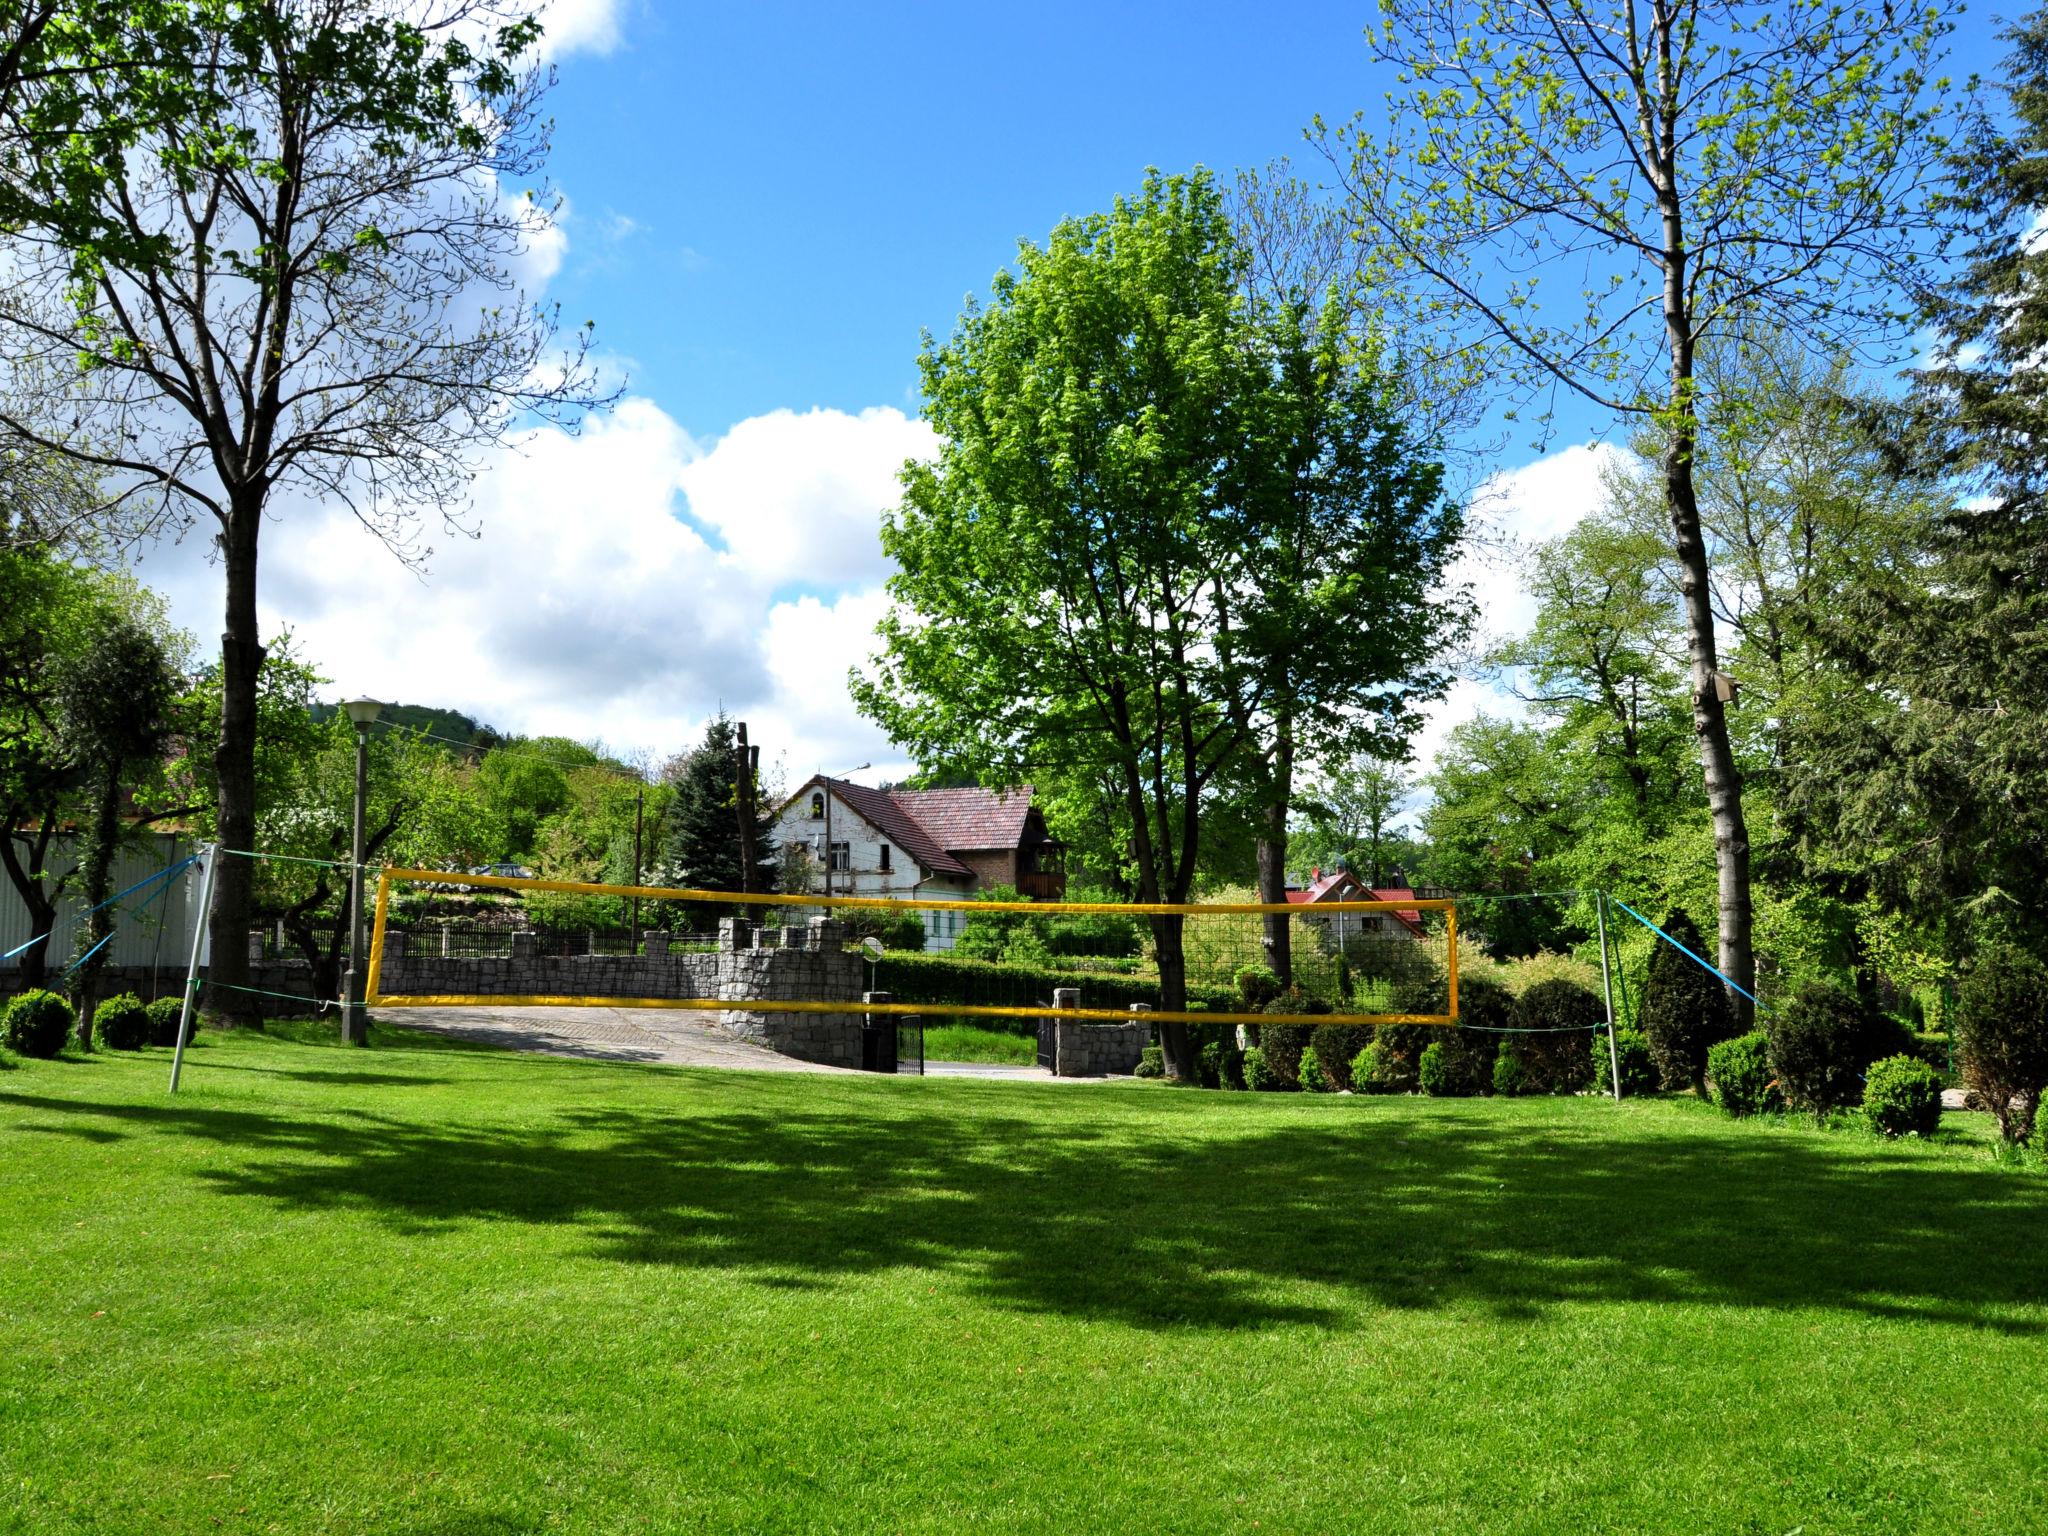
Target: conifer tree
{"points": [[1685, 1010], [700, 843]]}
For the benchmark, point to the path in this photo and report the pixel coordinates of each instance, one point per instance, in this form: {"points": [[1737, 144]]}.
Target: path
{"points": [[677, 1037]]}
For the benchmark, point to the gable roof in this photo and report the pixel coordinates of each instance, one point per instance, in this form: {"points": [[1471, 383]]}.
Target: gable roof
{"points": [[969, 819], [878, 808], [1342, 885]]}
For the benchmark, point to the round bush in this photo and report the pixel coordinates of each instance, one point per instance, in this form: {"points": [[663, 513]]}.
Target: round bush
{"points": [[1313, 1078], [2001, 1031], [1685, 1009], [1284, 1043], [1335, 1046], [1151, 1063], [163, 1020], [1639, 1074], [1559, 1015], [1739, 1073], [1472, 1045], [1257, 986], [1902, 1097], [1508, 1076], [37, 1024], [1434, 1071], [121, 1023], [1397, 1057], [1260, 1077], [1820, 1043]]}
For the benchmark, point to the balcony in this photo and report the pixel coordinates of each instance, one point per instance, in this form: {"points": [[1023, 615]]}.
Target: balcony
{"points": [[1041, 884]]}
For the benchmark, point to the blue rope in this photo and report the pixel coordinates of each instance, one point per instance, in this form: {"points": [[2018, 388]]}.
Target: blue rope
{"points": [[162, 874], [1695, 959], [154, 895]]}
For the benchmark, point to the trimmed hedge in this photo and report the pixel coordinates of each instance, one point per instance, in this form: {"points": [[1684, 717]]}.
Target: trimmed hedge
{"points": [[37, 1024], [909, 977], [163, 1020], [1509, 1080], [2002, 1036], [1639, 1074], [1740, 1076], [1821, 1041], [1552, 1057], [1433, 1073], [1902, 1097], [1151, 1062], [121, 1023]]}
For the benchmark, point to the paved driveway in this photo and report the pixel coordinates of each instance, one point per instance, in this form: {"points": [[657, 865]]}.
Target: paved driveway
{"points": [[679, 1037]]}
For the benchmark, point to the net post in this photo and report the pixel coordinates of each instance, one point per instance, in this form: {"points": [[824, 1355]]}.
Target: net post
{"points": [[372, 986], [199, 920], [1451, 963], [1607, 989]]}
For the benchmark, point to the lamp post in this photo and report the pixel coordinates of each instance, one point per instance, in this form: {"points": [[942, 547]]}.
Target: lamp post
{"points": [[362, 714], [856, 768]]}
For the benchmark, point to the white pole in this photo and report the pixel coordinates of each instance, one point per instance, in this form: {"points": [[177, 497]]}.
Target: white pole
{"points": [[211, 861], [1607, 987]]}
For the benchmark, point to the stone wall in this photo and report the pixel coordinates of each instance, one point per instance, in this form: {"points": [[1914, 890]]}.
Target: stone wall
{"points": [[1084, 1048]]}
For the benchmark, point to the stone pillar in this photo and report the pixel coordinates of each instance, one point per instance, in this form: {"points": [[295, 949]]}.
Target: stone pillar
{"points": [[256, 944], [525, 944], [826, 935], [394, 943], [1062, 1066], [734, 934], [657, 945]]}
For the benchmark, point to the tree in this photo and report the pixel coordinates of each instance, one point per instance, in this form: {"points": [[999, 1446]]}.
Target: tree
{"points": [[1057, 564], [1351, 814], [701, 839], [311, 295], [1933, 778], [1687, 171], [1685, 1011], [115, 698]]}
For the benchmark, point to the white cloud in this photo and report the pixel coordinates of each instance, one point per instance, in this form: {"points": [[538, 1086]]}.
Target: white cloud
{"points": [[590, 607], [579, 26]]}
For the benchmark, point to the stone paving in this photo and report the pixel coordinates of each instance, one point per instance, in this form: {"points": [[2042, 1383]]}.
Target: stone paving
{"points": [[673, 1037]]}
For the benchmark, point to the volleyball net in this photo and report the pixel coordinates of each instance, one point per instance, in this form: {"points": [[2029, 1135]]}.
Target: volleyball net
{"points": [[458, 940]]}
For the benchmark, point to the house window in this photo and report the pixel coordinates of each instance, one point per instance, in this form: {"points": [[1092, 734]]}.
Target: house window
{"points": [[884, 865], [842, 856], [818, 806]]}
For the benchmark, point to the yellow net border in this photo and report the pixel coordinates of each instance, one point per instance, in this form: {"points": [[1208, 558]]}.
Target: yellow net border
{"points": [[375, 998]]}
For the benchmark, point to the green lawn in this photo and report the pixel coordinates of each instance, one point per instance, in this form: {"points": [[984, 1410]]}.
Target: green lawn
{"points": [[967, 1042], [432, 1290]]}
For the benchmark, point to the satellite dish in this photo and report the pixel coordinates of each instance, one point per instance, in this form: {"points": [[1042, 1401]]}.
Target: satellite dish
{"points": [[871, 947]]}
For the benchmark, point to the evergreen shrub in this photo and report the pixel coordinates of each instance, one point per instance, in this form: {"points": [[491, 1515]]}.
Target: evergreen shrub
{"points": [[1902, 1097], [1334, 1047], [1740, 1076], [1313, 1078], [1558, 1016], [1284, 1043], [2001, 1030], [1821, 1040], [1259, 1077], [121, 1023], [1151, 1062], [1685, 1008], [1434, 1070], [37, 1023], [1229, 1068], [1509, 1079], [164, 1014], [1397, 1057], [1257, 985]]}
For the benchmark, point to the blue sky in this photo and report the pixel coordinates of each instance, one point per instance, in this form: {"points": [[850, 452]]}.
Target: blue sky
{"points": [[765, 205]]}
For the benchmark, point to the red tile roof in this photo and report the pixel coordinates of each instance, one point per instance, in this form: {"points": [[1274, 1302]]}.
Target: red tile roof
{"points": [[969, 820], [879, 808], [1342, 885]]}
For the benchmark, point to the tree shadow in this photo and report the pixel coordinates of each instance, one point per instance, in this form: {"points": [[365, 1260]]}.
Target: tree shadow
{"points": [[1159, 1221]]}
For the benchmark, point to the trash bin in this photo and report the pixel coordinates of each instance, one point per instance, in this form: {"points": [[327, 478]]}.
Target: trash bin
{"points": [[878, 1045]]}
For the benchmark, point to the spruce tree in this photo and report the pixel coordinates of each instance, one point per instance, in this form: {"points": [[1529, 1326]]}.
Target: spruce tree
{"points": [[1685, 1009], [700, 840]]}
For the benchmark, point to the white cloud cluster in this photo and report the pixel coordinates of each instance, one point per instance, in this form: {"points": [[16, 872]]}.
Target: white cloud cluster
{"points": [[579, 26], [623, 584]]}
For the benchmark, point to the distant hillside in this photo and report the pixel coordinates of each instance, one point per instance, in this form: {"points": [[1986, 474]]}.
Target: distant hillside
{"points": [[449, 725]]}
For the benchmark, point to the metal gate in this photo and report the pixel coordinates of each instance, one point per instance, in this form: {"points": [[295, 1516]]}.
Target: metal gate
{"points": [[1047, 1048]]}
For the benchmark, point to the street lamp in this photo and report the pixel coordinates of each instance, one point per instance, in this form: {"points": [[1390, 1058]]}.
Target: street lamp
{"points": [[856, 768], [362, 714]]}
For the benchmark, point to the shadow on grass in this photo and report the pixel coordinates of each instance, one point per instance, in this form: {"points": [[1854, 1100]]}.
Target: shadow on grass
{"points": [[1169, 1213]]}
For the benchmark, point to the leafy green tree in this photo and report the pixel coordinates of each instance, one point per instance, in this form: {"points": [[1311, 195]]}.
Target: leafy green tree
{"points": [[701, 844], [1057, 564], [1931, 775], [1349, 817], [1682, 171], [115, 698], [307, 291]]}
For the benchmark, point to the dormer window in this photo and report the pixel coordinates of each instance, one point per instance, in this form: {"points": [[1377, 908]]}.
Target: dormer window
{"points": [[817, 805]]}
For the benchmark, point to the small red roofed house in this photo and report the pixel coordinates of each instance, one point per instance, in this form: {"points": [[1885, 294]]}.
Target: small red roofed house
{"points": [[931, 843], [1343, 885]]}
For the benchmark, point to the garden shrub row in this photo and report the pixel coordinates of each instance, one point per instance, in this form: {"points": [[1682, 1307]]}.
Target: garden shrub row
{"points": [[40, 1023], [919, 978]]}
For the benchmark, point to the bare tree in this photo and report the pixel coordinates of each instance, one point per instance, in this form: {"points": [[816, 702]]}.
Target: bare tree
{"points": [[1583, 193], [326, 306]]}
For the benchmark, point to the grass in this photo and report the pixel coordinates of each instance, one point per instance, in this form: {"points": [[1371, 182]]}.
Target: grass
{"points": [[965, 1042], [452, 1292]]}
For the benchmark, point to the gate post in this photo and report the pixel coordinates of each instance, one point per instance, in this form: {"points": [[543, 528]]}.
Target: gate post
{"points": [[877, 1040], [1049, 1033]]}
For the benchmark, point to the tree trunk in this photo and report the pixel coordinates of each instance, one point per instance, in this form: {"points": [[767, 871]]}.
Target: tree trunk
{"points": [[1272, 856], [234, 764], [1175, 1049], [1710, 721], [40, 909]]}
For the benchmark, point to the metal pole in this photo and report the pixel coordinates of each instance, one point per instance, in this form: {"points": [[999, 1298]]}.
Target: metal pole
{"points": [[210, 859], [1607, 987], [828, 839], [353, 1031]]}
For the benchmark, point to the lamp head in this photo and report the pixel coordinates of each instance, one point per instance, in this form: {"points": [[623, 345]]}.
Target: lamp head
{"points": [[363, 712]]}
